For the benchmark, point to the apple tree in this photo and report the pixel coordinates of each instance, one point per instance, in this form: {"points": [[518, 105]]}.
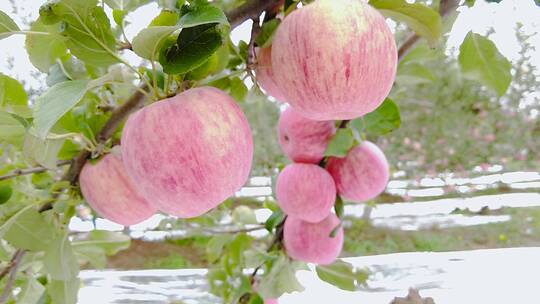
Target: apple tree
{"points": [[167, 132]]}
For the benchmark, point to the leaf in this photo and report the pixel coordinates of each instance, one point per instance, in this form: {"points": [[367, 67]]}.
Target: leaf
{"points": [[60, 261], [414, 73], [340, 143], [42, 151], [214, 248], [480, 60], [91, 254], [339, 207], [149, 41], [64, 292], [31, 292], [383, 120], [281, 279], [268, 29], [7, 26], [238, 89], [165, 18], [88, 30], [5, 193], [274, 220], [194, 46], [56, 102], [203, 14], [425, 21], [11, 129], [244, 215], [44, 50], [126, 5], [339, 274], [110, 242], [28, 230], [13, 98]]}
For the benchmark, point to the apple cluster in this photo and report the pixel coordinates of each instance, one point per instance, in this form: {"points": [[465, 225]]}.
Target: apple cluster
{"points": [[330, 61]]}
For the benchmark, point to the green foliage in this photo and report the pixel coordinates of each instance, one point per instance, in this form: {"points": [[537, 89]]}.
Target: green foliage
{"points": [[422, 19], [281, 278], [480, 60], [45, 50], [87, 29], [383, 120], [27, 229], [55, 103], [31, 292], [342, 275], [11, 129], [13, 98], [60, 261], [7, 26], [340, 143], [63, 292], [268, 29]]}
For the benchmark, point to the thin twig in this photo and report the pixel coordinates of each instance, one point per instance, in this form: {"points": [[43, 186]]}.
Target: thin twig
{"points": [[252, 56], [32, 170], [276, 241], [12, 270]]}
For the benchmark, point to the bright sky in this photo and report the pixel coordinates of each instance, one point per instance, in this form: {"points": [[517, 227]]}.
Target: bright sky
{"points": [[502, 17]]}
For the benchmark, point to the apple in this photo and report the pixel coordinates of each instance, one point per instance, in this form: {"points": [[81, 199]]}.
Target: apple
{"points": [[362, 174], [312, 242], [303, 140], [334, 59], [271, 301], [265, 74], [306, 192], [109, 190], [188, 153]]}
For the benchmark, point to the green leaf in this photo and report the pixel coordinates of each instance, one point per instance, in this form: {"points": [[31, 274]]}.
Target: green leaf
{"points": [[5, 193], [215, 246], [149, 41], [7, 26], [44, 50], [414, 73], [268, 29], [383, 120], [339, 207], [194, 46], [469, 3], [274, 220], [31, 292], [42, 151], [238, 89], [60, 261], [110, 242], [88, 30], [339, 274], [11, 129], [165, 18], [203, 14], [425, 21], [28, 230], [480, 60], [13, 98], [56, 102], [281, 279], [64, 292], [126, 5], [91, 254], [340, 143]]}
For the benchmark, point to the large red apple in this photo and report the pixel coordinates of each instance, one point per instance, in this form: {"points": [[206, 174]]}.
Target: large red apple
{"points": [[362, 174], [334, 59], [303, 140], [305, 191], [265, 74], [109, 190], [190, 152], [312, 242]]}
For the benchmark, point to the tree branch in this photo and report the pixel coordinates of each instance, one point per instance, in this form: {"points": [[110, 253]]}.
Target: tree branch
{"points": [[11, 268], [26, 171], [250, 10]]}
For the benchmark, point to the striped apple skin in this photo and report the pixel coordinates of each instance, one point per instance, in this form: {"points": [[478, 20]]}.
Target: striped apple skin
{"points": [[265, 74]]}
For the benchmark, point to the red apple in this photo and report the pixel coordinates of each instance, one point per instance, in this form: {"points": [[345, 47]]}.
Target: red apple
{"points": [[311, 242], [190, 152], [265, 74], [303, 140], [306, 192], [109, 190], [362, 174], [334, 59]]}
